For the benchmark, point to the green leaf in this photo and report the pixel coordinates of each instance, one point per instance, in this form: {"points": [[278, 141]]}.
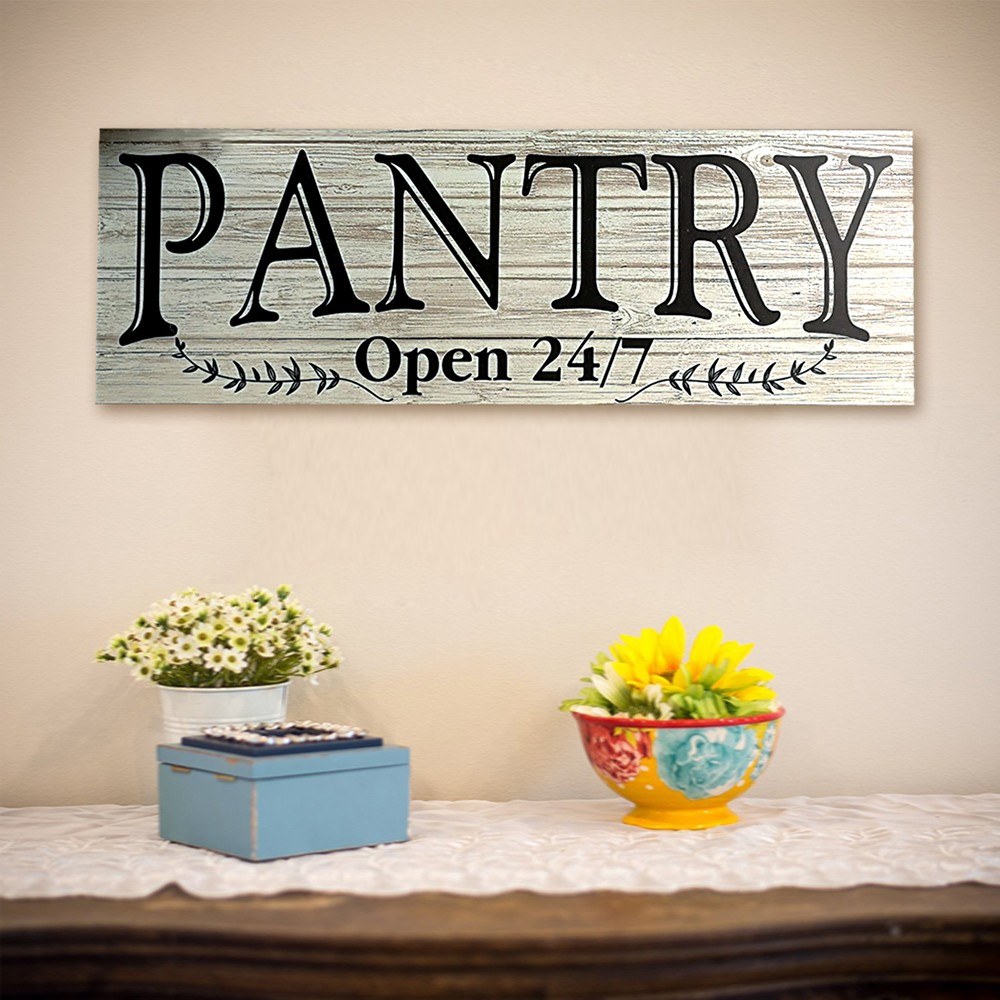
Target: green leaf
{"points": [[591, 696], [711, 674], [681, 706], [755, 707]]}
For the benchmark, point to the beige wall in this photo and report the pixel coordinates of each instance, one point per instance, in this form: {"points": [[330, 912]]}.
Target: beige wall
{"points": [[472, 560]]}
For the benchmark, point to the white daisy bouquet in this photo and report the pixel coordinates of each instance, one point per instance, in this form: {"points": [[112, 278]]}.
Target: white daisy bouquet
{"points": [[193, 639]]}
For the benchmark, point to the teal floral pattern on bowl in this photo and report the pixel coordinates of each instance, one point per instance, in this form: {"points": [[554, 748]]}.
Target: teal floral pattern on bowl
{"points": [[766, 749], [701, 763]]}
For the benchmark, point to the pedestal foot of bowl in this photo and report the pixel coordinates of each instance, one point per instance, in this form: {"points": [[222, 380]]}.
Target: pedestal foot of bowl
{"points": [[680, 819]]}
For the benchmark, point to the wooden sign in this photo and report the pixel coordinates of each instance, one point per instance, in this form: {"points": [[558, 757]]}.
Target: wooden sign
{"points": [[517, 267]]}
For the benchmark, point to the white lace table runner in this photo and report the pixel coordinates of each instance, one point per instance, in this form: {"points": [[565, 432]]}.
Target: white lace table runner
{"points": [[481, 848]]}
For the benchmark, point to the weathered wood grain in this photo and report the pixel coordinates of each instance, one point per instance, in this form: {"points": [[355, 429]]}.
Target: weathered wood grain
{"points": [[783, 944], [200, 292]]}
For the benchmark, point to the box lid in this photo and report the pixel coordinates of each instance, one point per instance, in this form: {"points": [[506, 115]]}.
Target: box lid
{"points": [[275, 767]]}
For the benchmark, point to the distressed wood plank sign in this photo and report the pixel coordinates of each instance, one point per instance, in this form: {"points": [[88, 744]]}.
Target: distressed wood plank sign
{"points": [[610, 267]]}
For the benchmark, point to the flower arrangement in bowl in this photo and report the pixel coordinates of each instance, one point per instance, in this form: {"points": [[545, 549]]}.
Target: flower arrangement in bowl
{"points": [[677, 738], [219, 659]]}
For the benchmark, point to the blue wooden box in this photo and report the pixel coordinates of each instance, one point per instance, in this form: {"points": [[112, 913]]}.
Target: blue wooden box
{"points": [[260, 808]]}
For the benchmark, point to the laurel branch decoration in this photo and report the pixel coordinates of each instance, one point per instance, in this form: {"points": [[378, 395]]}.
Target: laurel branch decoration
{"points": [[682, 381], [291, 381]]}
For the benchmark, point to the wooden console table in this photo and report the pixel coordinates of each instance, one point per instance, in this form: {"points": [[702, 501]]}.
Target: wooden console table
{"points": [[866, 943]]}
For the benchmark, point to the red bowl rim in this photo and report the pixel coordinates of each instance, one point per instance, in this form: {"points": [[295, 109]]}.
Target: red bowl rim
{"points": [[618, 722]]}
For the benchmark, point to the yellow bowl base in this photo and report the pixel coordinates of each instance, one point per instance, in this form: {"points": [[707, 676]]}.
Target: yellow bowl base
{"points": [[680, 819]]}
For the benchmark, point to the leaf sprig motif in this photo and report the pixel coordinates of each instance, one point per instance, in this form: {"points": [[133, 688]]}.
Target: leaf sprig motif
{"points": [[766, 380], [291, 381]]}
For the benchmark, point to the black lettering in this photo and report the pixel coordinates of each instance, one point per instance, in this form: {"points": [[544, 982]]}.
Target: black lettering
{"points": [[483, 358], [393, 359], [414, 376], [148, 321], [684, 234], [835, 318], [583, 292], [321, 248], [409, 178], [457, 355]]}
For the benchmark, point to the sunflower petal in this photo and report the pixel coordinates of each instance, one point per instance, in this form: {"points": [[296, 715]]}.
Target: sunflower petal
{"points": [[759, 676], [755, 694], [739, 679], [672, 641], [668, 685], [705, 648], [645, 648], [682, 677], [623, 651], [733, 653], [633, 674]]}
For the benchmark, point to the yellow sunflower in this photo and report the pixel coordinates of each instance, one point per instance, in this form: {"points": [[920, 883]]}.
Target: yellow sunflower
{"points": [[638, 659], [657, 657]]}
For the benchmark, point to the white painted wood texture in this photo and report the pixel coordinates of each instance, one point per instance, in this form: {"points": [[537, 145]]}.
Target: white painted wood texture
{"points": [[201, 291]]}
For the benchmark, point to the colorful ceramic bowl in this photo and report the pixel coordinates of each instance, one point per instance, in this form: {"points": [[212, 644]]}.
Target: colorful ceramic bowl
{"points": [[679, 774]]}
